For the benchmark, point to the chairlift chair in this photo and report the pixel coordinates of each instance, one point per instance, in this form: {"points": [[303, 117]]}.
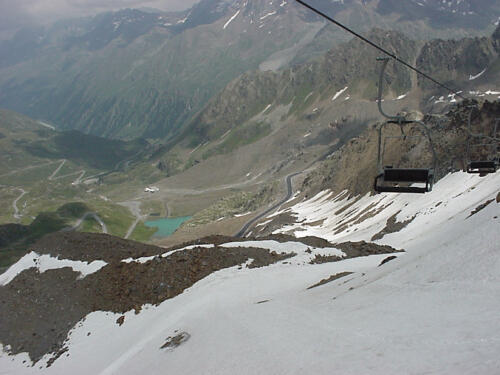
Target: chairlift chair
{"points": [[401, 180], [484, 142]]}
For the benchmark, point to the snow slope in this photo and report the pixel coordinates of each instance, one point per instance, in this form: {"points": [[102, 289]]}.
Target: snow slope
{"points": [[434, 310]]}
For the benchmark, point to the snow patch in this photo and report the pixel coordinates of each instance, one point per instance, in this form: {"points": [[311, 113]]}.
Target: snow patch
{"points": [[338, 93], [473, 77], [167, 254], [304, 252], [47, 262], [231, 19], [245, 214], [267, 15], [267, 107]]}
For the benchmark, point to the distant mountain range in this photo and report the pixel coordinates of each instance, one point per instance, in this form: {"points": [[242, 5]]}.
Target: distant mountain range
{"points": [[131, 73]]}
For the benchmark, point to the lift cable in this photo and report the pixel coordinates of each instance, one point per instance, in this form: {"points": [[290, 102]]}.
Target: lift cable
{"points": [[318, 12]]}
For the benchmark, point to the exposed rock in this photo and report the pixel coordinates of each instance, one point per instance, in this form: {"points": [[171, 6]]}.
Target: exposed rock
{"points": [[392, 226], [362, 249], [320, 259], [481, 207], [92, 246], [450, 60], [177, 340], [38, 309], [388, 259], [354, 166], [330, 279]]}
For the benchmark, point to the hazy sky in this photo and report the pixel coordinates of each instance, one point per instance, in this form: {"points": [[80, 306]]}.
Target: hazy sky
{"points": [[14, 13]]}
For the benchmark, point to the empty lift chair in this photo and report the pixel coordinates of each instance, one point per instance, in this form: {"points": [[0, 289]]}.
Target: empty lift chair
{"points": [[401, 180], [489, 159]]}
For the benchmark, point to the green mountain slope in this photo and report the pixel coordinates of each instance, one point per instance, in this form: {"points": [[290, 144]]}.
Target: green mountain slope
{"points": [[129, 73]]}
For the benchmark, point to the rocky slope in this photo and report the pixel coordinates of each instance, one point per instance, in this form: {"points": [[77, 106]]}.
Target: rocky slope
{"points": [[462, 57], [130, 275], [332, 94], [354, 166]]}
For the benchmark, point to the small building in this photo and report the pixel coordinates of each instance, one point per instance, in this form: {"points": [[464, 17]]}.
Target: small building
{"points": [[151, 189]]}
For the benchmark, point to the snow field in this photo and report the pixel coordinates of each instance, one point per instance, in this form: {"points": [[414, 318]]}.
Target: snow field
{"points": [[457, 194]]}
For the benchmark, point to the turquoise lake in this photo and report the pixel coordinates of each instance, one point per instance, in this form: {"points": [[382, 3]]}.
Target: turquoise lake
{"points": [[166, 226]]}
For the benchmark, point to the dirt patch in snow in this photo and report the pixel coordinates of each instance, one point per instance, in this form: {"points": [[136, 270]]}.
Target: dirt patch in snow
{"points": [[392, 226], [175, 341], [365, 214], [120, 320], [277, 222], [320, 259], [354, 250], [330, 279], [363, 249], [263, 301], [388, 259], [38, 310], [481, 207]]}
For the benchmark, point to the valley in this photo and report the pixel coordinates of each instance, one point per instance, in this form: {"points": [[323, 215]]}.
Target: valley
{"points": [[200, 184]]}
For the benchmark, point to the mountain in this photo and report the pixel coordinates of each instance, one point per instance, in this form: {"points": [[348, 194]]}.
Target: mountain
{"points": [[132, 73], [26, 141], [330, 98], [252, 304], [323, 275], [442, 14]]}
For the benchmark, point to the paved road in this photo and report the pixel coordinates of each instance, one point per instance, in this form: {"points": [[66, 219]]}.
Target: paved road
{"points": [[289, 194], [132, 227], [28, 168], [135, 208], [243, 230], [51, 177], [14, 204]]}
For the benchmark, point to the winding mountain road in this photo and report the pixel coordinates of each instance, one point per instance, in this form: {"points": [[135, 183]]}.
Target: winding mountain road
{"points": [[14, 204], [288, 180], [135, 208], [51, 177], [289, 194], [27, 168]]}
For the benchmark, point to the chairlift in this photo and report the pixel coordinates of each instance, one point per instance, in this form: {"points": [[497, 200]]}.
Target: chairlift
{"points": [[401, 180], [490, 145]]}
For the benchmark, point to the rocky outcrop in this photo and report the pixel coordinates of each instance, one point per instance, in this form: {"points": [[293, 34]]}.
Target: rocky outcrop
{"points": [[354, 166], [351, 64], [456, 60]]}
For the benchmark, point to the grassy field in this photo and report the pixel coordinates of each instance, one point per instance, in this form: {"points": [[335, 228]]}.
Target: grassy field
{"points": [[142, 233]]}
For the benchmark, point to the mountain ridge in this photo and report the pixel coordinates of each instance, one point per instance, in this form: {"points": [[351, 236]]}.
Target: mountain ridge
{"points": [[160, 71]]}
